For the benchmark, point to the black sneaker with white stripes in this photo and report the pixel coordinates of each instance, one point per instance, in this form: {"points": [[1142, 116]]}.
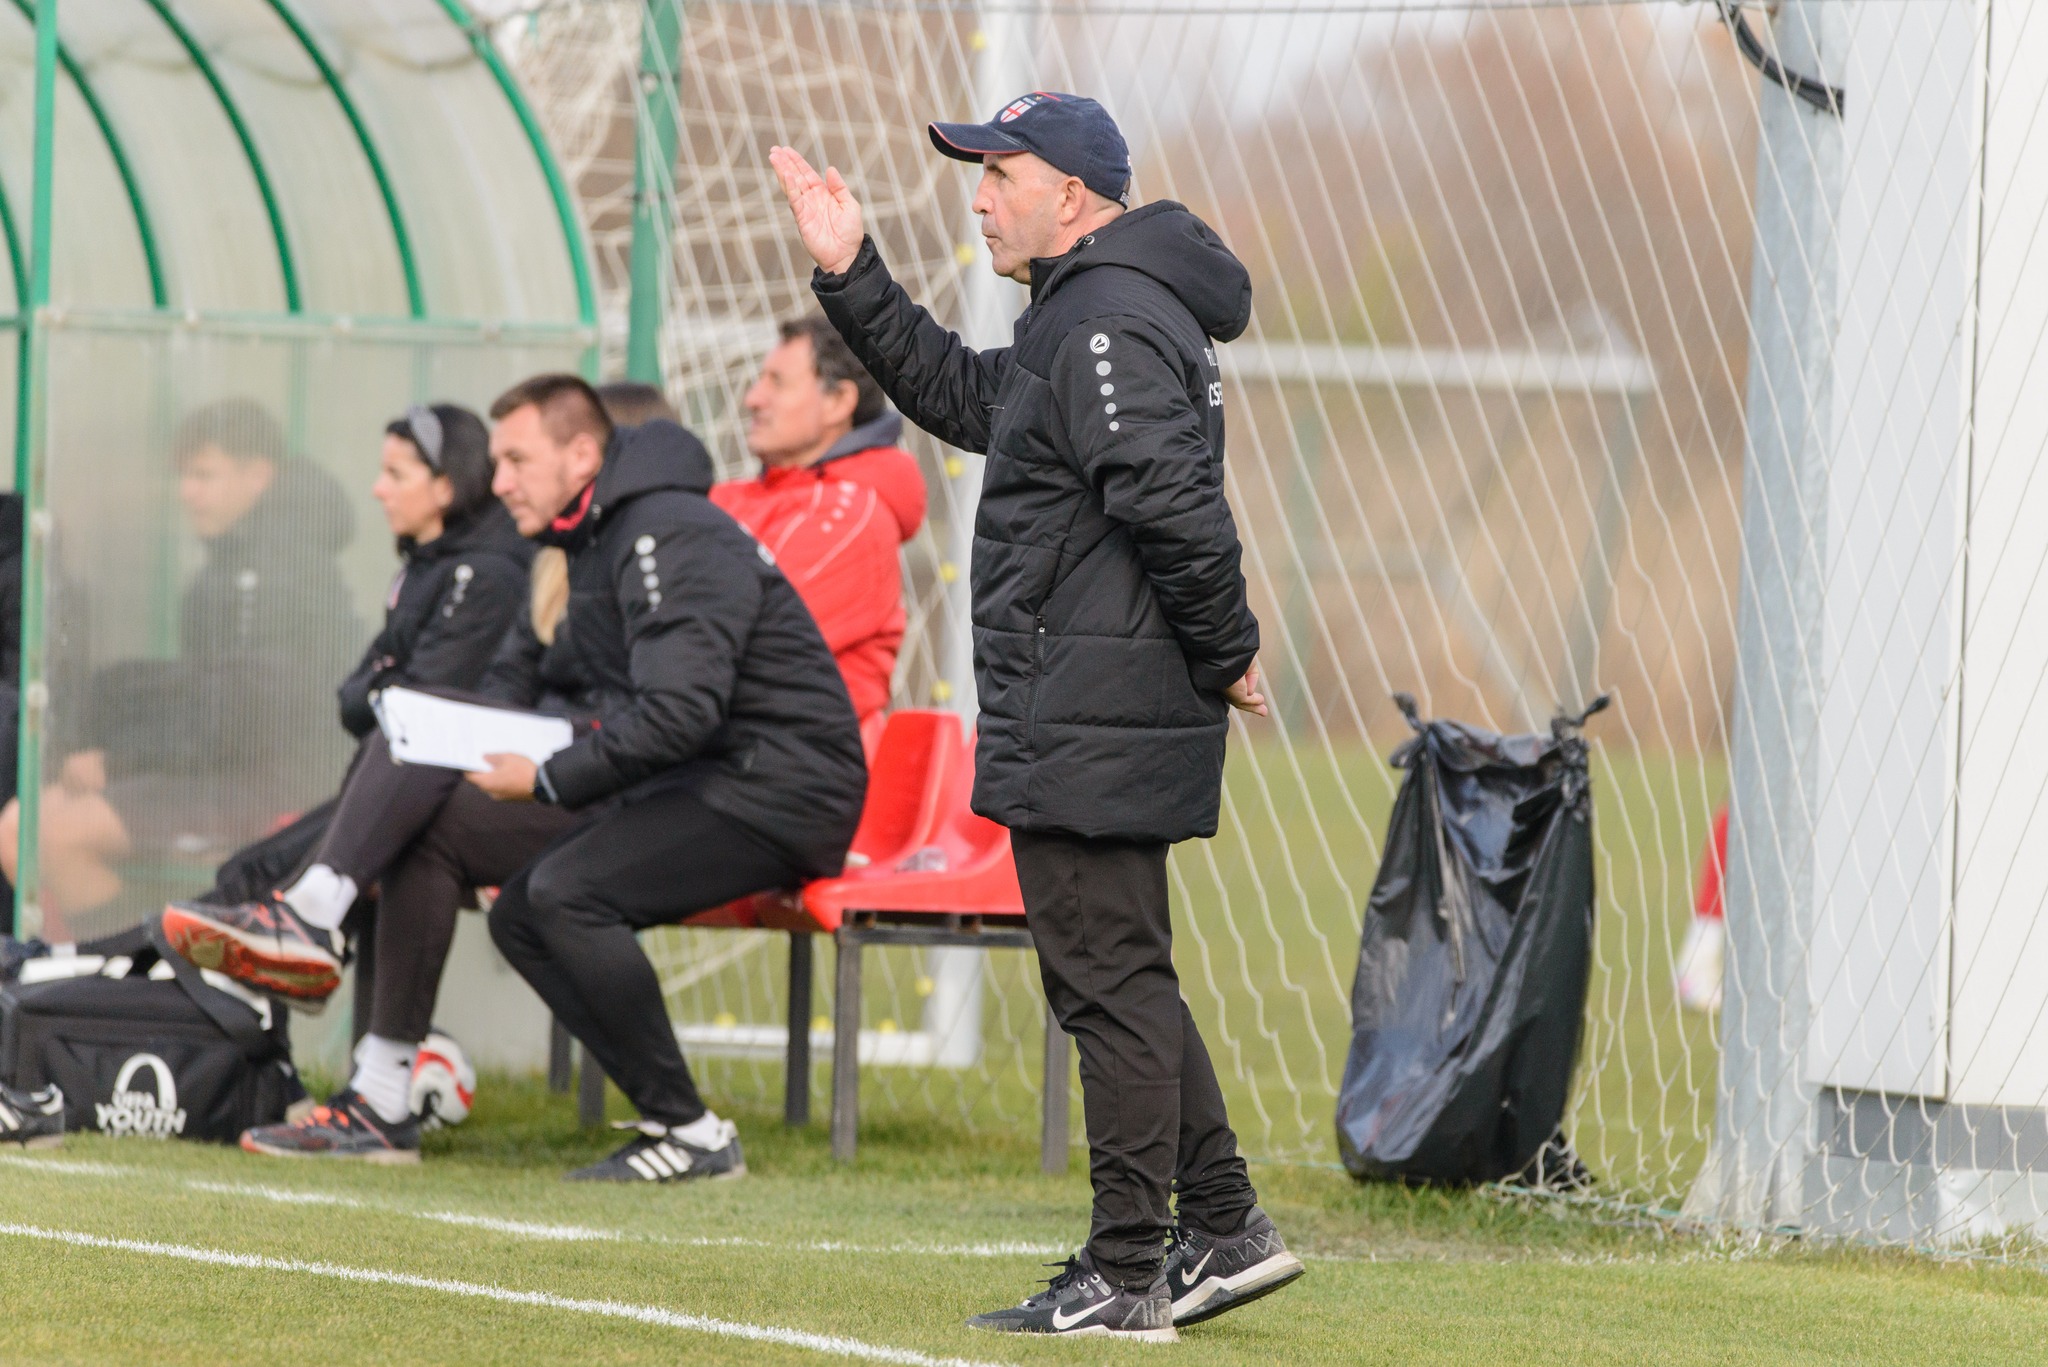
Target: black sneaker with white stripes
{"points": [[34, 1120], [1080, 1301], [1208, 1274], [656, 1155]]}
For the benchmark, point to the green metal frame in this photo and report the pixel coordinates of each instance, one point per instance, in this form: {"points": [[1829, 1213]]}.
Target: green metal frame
{"points": [[124, 168], [15, 264], [416, 299], [14, 321], [28, 482], [287, 267], [654, 168], [565, 202]]}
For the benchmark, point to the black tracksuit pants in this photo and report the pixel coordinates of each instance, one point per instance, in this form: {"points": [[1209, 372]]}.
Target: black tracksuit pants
{"points": [[566, 921], [1099, 916]]}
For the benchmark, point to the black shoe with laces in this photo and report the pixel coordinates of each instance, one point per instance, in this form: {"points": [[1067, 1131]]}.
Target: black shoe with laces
{"points": [[34, 1120], [345, 1127], [1082, 1302], [1208, 1274], [656, 1155]]}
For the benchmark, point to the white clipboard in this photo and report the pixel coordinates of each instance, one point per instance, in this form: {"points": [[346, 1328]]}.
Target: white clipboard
{"points": [[446, 734]]}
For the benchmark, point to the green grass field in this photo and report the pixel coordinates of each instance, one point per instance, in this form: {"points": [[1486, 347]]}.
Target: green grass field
{"points": [[1266, 932], [483, 1255]]}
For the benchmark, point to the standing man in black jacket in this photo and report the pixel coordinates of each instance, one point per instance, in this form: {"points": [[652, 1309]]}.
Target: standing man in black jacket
{"points": [[1111, 638]]}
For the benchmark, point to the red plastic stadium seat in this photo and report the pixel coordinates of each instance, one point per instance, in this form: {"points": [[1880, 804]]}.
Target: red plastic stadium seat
{"points": [[963, 867], [911, 776]]}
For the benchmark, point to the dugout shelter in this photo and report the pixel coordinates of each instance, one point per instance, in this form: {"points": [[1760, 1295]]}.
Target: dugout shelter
{"points": [[325, 210]]}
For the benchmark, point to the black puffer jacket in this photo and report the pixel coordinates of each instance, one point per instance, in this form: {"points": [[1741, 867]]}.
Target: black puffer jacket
{"points": [[695, 658], [1109, 607], [449, 607]]}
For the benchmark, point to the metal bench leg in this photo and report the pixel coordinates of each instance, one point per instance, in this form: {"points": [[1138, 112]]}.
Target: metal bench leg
{"points": [[1052, 1142], [846, 1046], [796, 1081], [561, 1060], [590, 1094]]}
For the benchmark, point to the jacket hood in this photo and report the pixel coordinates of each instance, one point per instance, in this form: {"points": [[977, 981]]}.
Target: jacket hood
{"points": [[655, 455], [886, 430], [304, 508], [1167, 242], [487, 528]]}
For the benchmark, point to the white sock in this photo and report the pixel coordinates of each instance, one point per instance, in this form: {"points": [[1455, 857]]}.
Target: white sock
{"points": [[322, 896], [383, 1076], [706, 1132]]}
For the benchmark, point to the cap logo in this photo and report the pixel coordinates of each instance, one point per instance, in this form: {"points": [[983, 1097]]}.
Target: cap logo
{"points": [[1016, 109]]}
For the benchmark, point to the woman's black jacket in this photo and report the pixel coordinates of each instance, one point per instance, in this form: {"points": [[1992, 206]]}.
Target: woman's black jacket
{"points": [[447, 610]]}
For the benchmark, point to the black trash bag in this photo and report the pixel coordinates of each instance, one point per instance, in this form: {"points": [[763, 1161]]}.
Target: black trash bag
{"points": [[1473, 963]]}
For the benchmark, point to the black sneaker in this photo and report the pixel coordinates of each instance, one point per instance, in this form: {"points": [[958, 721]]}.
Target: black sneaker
{"points": [[1080, 1301], [1211, 1273], [34, 1120], [656, 1155], [264, 944], [345, 1127]]}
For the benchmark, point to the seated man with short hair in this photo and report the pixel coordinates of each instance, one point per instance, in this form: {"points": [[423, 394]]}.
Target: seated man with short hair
{"points": [[835, 499], [719, 756]]}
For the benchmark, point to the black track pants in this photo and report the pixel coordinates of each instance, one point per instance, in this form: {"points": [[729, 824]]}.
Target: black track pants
{"points": [[469, 841], [567, 923], [1098, 913], [383, 807]]}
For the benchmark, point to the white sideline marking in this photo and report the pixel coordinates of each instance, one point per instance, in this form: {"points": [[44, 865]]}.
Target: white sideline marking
{"points": [[278, 1194], [523, 1229], [60, 1165], [832, 1344]]}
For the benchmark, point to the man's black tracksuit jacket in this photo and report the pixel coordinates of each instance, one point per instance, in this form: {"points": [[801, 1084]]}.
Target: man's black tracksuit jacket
{"points": [[1109, 616]]}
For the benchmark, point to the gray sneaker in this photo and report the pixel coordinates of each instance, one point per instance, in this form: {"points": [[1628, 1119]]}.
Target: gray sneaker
{"points": [[1081, 1302], [1211, 1273]]}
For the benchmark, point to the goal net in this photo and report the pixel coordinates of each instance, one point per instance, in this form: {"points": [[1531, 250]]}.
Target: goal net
{"points": [[1585, 358]]}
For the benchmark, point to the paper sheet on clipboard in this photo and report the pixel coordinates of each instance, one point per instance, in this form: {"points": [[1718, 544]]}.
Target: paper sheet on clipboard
{"points": [[424, 729]]}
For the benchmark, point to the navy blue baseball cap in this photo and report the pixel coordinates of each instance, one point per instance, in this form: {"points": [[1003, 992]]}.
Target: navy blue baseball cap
{"points": [[1074, 134]]}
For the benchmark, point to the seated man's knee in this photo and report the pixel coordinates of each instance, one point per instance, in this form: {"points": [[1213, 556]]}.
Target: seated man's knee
{"points": [[555, 888], [511, 915]]}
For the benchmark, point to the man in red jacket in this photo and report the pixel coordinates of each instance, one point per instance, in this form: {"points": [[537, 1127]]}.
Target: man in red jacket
{"points": [[834, 500]]}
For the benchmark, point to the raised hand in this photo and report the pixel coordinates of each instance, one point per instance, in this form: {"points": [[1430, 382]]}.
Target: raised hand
{"points": [[827, 214]]}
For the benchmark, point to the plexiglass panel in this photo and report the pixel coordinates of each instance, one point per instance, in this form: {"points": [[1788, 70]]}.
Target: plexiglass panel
{"points": [[213, 231], [99, 256], [490, 238], [335, 217], [217, 564]]}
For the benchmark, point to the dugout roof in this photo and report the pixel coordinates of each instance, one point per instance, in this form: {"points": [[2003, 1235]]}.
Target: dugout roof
{"points": [[362, 158]]}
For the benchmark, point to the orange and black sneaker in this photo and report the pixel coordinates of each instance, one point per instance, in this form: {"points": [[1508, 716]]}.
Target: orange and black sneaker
{"points": [[264, 944], [345, 1127]]}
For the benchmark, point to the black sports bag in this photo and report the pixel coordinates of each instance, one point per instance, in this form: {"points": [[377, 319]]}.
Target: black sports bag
{"points": [[151, 1054]]}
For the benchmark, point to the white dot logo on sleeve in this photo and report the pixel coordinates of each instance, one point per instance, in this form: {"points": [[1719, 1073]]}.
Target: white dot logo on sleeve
{"points": [[1099, 343], [645, 545], [1102, 367], [1108, 390]]}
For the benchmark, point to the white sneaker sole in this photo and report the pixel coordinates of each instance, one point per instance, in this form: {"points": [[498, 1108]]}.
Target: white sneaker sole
{"points": [[1103, 1331], [1214, 1295]]}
